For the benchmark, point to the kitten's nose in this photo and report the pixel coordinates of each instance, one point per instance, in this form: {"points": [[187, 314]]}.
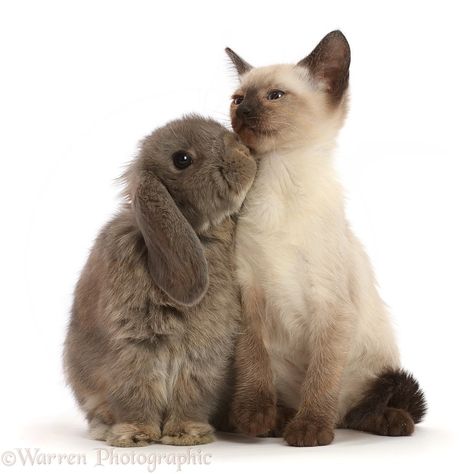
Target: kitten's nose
{"points": [[244, 111]]}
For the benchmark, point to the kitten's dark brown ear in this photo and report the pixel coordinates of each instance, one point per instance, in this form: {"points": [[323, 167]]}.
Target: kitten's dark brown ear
{"points": [[176, 258], [240, 64], [329, 63]]}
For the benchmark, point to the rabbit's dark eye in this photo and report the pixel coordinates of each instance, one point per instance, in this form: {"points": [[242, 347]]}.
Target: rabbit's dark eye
{"points": [[181, 160], [237, 99], [275, 94]]}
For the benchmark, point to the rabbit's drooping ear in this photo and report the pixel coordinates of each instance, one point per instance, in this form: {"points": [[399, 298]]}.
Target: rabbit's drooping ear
{"points": [[175, 255]]}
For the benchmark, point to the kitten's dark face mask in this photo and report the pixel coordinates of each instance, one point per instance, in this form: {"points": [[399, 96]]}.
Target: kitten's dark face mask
{"points": [[256, 115], [278, 105], [272, 107]]}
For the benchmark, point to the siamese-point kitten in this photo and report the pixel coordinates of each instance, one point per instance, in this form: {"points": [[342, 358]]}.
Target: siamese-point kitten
{"points": [[317, 349]]}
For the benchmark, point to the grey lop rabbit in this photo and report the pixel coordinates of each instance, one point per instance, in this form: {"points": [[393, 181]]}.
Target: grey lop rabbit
{"points": [[150, 340]]}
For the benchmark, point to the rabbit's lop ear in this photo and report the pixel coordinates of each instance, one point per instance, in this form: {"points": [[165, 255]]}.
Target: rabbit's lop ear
{"points": [[176, 258]]}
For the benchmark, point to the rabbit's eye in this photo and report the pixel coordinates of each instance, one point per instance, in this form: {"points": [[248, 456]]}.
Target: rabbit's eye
{"points": [[237, 99], [181, 160], [275, 94]]}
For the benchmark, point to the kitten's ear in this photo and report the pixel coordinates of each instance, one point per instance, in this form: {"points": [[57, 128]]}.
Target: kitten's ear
{"points": [[329, 63], [240, 64]]}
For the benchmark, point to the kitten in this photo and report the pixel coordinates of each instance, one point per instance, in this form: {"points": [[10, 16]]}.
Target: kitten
{"points": [[317, 348]]}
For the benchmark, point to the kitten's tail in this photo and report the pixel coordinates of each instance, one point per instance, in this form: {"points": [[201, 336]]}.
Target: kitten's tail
{"points": [[391, 405], [405, 393]]}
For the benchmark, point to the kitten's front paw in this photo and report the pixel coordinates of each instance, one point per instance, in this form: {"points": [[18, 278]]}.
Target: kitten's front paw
{"points": [[187, 433], [133, 435], [304, 432], [255, 415]]}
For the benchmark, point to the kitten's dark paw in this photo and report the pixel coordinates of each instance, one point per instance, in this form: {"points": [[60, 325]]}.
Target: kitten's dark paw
{"points": [[254, 415], [304, 432], [395, 422], [390, 422]]}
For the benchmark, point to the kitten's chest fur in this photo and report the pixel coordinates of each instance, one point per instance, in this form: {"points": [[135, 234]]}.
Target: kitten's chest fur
{"points": [[290, 245]]}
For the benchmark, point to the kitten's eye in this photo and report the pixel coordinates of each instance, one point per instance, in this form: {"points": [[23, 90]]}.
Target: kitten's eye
{"points": [[238, 99], [275, 95], [181, 160]]}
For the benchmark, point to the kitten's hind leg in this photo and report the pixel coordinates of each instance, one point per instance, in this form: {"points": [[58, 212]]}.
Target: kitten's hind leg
{"points": [[386, 422], [391, 406]]}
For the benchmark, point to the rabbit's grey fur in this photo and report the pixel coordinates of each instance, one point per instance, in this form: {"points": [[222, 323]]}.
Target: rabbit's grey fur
{"points": [[149, 345]]}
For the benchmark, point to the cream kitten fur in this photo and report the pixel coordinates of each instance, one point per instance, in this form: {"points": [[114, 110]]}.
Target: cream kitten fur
{"points": [[294, 243], [304, 275]]}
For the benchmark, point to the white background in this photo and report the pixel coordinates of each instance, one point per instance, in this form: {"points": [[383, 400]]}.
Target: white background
{"points": [[81, 82]]}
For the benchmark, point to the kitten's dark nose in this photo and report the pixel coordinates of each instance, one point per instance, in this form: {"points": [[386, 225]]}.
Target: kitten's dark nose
{"points": [[244, 111]]}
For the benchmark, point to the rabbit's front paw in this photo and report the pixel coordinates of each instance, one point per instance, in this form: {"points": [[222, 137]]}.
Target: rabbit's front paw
{"points": [[132, 435], [98, 429], [187, 433], [234, 148], [255, 415]]}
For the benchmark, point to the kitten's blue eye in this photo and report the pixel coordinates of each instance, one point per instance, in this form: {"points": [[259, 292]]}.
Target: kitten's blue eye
{"points": [[238, 99], [275, 95], [181, 159]]}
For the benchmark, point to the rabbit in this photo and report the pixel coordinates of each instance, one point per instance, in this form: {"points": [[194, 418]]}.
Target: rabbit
{"points": [[149, 346]]}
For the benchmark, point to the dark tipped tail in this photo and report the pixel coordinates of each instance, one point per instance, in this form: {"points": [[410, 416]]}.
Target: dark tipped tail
{"points": [[390, 406], [405, 393]]}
